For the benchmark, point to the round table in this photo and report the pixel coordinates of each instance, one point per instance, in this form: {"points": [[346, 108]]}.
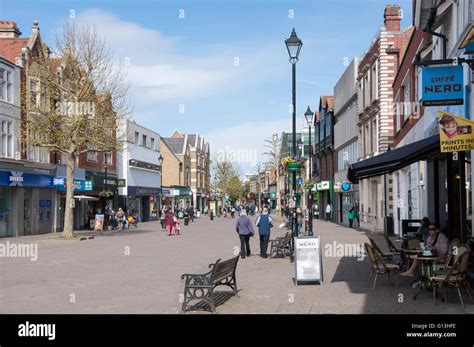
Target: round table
{"points": [[425, 266]]}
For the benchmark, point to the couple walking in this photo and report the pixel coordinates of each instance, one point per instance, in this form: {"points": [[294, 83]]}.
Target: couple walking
{"points": [[245, 230]]}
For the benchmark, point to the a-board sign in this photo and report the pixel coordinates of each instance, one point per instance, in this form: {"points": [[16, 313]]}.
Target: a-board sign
{"points": [[308, 260], [99, 222]]}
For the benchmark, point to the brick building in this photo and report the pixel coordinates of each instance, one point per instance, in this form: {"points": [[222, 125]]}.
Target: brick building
{"points": [[376, 72]]}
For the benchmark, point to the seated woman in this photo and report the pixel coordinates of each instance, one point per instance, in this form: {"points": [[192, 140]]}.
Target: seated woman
{"points": [[437, 242]]}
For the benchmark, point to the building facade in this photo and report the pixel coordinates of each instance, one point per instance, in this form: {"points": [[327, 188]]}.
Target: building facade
{"points": [[346, 196], [27, 194], [324, 154], [376, 72], [176, 172], [139, 171]]}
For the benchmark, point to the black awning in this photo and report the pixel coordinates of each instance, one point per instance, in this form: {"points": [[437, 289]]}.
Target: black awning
{"points": [[394, 159]]}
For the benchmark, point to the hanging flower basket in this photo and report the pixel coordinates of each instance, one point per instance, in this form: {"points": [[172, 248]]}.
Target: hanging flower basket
{"points": [[309, 185], [106, 194]]}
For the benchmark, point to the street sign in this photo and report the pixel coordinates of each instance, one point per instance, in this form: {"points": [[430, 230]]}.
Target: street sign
{"points": [[442, 85], [308, 259]]}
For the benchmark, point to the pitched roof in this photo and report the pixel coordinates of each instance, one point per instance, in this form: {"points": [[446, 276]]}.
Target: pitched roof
{"points": [[176, 145], [10, 48], [192, 140]]}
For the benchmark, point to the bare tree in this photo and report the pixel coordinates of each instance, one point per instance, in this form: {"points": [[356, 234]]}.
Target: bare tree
{"points": [[274, 145], [85, 97]]}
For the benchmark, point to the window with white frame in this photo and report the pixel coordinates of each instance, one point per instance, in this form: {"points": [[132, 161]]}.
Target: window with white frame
{"points": [[35, 95], [108, 158], [152, 143], [3, 83], [406, 99], [398, 110], [6, 139], [373, 83], [37, 153], [137, 136], [91, 153], [6, 85]]}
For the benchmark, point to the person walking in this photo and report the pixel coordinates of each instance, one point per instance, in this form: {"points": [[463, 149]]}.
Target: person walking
{"points": [[244, 228], [264, 223], [299, 220], [350, 216], [328, 212], [169, 221], [120, 218], [162, 218]]}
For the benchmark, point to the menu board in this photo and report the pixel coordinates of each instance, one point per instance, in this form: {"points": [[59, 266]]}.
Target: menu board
{"points": [[308, 260], [99, 222]]}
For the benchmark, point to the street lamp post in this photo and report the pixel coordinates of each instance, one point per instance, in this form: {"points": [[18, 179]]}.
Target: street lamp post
{"points": [[293, 45], [160, 162], [309, 119]]}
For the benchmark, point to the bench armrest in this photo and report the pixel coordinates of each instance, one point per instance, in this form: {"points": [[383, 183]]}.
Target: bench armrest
{"points": [[198, 279]]}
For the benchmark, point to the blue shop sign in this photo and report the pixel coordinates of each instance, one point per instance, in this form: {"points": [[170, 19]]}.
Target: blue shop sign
{"points": [[442, 85], [25, 179], [80, 185], [345, 186]]}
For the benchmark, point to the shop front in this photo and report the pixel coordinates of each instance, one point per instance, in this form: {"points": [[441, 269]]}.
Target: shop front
{"points": [[26, 201], [143, 201], [346, 197], [324, 198], [102, 197], [184, 198]]}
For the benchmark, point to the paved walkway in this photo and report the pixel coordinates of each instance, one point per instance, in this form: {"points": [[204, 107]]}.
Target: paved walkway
{"points": [[138, 271]]}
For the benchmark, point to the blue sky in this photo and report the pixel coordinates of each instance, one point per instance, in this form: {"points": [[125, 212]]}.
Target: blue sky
{"points": [[223, 69]]}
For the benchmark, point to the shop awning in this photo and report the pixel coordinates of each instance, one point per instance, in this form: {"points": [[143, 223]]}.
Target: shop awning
{"points": [[86, 197], [394, 159]]}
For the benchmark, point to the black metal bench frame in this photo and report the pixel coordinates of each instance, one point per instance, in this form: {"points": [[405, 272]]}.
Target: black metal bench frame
{"points": [[280, 245], [201, 286]]}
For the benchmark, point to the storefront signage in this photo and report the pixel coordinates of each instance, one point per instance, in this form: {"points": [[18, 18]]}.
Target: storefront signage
{"points": [[143, 191], [25, 179], [121, 183], [80, 185], [143, 165], [455, 133], [324, 185], [99, 182], [273, 195], [346, 186], [308, 260], [442, 85]]}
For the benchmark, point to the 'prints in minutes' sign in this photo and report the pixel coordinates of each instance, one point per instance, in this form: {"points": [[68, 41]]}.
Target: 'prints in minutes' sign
{"points": [[455, 133]]}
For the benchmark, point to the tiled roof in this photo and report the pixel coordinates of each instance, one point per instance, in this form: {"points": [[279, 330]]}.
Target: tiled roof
{"points": [[11, 48], [192, 140], [176, 145]]}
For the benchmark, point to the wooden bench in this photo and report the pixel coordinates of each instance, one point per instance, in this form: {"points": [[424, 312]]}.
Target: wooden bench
{"points": [[201, 286], [280, 245]]}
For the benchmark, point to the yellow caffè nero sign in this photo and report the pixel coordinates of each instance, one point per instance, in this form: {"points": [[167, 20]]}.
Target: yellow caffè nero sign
{"points": [[455, 133]]}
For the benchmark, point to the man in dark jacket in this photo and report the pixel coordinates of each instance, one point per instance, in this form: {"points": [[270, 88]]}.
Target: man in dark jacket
{"points": [[264, 223], [245, 229]]}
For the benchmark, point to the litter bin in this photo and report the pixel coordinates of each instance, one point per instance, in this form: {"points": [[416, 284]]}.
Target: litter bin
{"points": [[212, 215], [186, 219]]}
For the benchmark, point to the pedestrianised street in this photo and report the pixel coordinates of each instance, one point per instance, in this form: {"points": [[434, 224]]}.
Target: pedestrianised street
{"points": [[138, 271]]}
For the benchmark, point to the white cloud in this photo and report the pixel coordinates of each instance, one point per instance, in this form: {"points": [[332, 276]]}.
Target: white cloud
{"points": [[155, 65], [244, 141]]}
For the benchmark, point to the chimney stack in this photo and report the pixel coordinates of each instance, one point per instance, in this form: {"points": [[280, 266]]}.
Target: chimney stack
{"points": [[392, 17], [9, 30]]}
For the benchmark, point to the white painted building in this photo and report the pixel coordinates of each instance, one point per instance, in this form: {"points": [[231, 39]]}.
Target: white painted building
{"points": [[138, 164]]}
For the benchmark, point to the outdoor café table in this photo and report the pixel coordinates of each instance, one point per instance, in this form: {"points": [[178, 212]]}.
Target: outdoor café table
{"points": [[425, 266], [408, 253]]}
